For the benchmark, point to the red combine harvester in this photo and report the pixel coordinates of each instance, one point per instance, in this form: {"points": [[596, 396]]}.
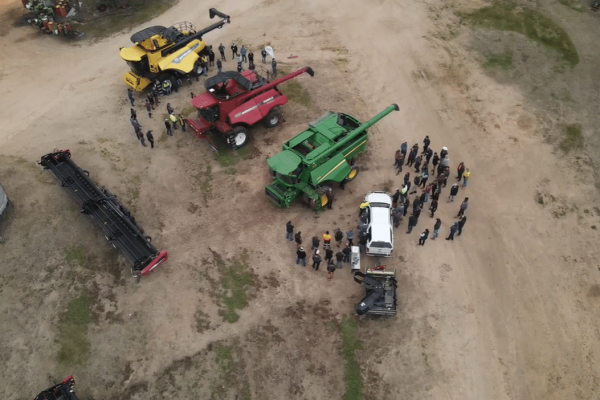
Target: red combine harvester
{"points": [[62, 391], [233, 102]]}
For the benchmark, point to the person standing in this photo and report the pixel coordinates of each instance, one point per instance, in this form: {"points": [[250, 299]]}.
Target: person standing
{"points": [[222, 51], [219, 66], [463, 207], [339, 236], [347, 251], [460, 170], [130, 96], [298, 239], [315, 243], [211, 57], [418, 161], [326, 240], [461, 224], [148, 108], [423, 237], [182, 122], [433, 207], [404, 148], [330, 198], [168, 126], [244, 54], [289, 231], [407, 178], [250, 57], [316, 260], [443, 153], [428, 155], [150, 138], [412, 155], [133, 113], [446, 175], [170, 109], [466, 176], [412, 222], [426, 143], [140, 136], [453, 230], [174, 121], [274, 67], [330, 269], [395, 198], [424, 177], [339, 258], [239, 67], [136, 125], [151, 100], [397, 158], [350, 237], [328, 254], [263, 54], [234, 50], [406, 205], [423, 199], [301, 257], [397, 219], [453, 192], [435, 161], [436, 228]]}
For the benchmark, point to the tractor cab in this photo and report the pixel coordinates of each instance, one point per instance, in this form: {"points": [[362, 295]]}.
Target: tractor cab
{"points": [[229, 84], [286, 166]]}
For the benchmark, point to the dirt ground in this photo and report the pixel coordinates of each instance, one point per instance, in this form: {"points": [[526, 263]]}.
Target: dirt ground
{"points": [[505, 311]]}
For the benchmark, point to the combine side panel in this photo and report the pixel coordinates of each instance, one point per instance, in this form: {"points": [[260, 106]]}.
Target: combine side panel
{"points": [[257, 108], [116, 222]]}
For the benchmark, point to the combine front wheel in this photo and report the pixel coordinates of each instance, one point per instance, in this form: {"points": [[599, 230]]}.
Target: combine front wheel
{"points": [[272, 119], [352, 174], [240, 136]]}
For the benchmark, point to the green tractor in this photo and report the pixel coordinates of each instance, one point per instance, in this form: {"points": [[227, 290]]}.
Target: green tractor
{"points": [[321, 155]]}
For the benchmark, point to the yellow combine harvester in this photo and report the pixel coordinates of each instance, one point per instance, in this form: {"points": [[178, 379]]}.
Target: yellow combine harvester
{"points": [[166, 53]]}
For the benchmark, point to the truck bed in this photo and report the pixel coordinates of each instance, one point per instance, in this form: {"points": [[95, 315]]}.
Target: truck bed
{"points": [[115, 221]]}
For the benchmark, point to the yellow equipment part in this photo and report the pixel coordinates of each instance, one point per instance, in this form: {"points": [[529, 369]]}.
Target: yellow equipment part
{"points": [[184, 59], [133, 53], [324, 200], [138, 83]]}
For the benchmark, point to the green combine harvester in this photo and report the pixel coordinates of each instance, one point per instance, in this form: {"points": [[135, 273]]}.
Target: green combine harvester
{"points": [[321, 155]]}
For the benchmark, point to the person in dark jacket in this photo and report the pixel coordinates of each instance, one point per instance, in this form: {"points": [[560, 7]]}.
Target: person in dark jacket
{"points": [[404, 148], [453, 230], [339, 258], [424, 177], [338, 236], [453, 192], [436, 228], [234, 50], [412, 222], [222, 51], [417, 214], [330, 269], [301, 257], [460, 171], [433, 207], [350, 237], [463, 207], [443, 153], [150, 138], [211, 57], [168, 126], [416, 204], [435, 161], [426, 143], [130, 96], [274, 67], [406, 205], [298, 239], [428, 156], [412, 155], [422, 199], [347, 251], [328, 254], [289, 231], [315, 242], [395, 198], [418, 161], [461, 224], [316, 260], [263, 55], [423, 237], [407, 178], [219, 66]]}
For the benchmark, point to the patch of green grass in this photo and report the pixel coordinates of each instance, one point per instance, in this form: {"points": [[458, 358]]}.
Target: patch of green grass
{"points": [[296, 93], [236, 279], [573, 139], [73, 344], [224, 357], [132, 192], [204, 180], [350, 343], [126, 20], [75, 255], [574, 4], [500, 61], [530, 23]]}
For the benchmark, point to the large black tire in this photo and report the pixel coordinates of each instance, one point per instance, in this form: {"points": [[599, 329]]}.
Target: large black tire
{"points": [[321, 191], [240, 136], [272, 119], [352, 174], [163, 77]]}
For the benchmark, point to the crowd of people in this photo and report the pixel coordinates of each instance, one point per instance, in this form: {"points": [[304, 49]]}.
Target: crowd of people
{"points": [[420, 160], [344, 247], [206, 63]]}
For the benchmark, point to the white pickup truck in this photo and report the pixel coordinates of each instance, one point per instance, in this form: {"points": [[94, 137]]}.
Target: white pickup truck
{"points": [[380, 232]]}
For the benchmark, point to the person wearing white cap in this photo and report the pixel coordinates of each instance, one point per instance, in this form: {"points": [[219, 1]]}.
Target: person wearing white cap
{"points": [[316, 260], [444, 152]]}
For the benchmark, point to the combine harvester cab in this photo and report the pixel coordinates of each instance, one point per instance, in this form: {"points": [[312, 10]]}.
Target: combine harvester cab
{"points": [[321, 155], [234, 102], [161, 54], [117, 223]]}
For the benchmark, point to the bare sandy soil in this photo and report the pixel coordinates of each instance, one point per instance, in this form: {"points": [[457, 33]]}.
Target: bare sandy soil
{"points": [[506, 311]]}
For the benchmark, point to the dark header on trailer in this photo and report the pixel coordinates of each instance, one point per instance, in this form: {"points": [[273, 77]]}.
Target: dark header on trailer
{"points": [[62, 391], [110, 215]]}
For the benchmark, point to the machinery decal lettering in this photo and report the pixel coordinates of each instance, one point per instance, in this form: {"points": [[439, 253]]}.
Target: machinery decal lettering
{"points": [[332, 169], [266, 101], [186, 53]]}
